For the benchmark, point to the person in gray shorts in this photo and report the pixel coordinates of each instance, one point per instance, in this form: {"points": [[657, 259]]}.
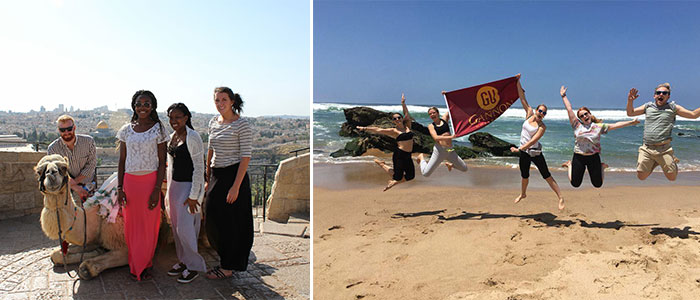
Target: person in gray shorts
{"points": [[660, 116]]}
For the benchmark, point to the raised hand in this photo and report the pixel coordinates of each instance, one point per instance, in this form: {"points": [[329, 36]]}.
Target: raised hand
{"points": [[562, 91], [634, 93], [403, 99]]}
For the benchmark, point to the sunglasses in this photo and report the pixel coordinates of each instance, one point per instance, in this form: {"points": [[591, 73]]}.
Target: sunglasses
{"points": [[64, 129], [145, 104], [544, 112], [583, 114], [396, 118], [662, 93]]}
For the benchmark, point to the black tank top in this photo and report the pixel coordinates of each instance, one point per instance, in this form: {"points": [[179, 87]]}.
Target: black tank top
{"points": [[405, 136], [182, 164], [442, 129]]}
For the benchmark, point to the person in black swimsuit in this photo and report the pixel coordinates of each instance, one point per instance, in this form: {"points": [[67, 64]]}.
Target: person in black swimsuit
{"points": [[403, 164], [442, 150]]}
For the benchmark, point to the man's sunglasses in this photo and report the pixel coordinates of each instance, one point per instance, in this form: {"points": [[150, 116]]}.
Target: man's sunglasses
{"points": [[662, 93], [145, 104], [544, 112], [64, 129]]}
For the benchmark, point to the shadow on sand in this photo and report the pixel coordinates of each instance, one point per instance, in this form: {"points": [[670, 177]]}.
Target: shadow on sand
{"points": [[674, 232], [546, 219]]}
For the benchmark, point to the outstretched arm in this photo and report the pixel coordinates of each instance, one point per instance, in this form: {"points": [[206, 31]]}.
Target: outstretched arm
{"points": [[521, 94], [446, 116], [622, 124], [684, 112], [372, 129], [631, 110], [405, 109], [567, 104]]}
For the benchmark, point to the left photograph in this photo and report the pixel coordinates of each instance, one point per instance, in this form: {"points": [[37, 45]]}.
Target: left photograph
{"points": [[155, 150]]}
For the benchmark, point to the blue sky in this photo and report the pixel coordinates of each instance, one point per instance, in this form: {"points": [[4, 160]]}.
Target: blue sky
{"points": [[93, 53], [372, 51]]}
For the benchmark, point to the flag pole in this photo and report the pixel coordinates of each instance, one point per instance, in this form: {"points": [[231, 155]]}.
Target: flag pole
{"points": [[452, 130]]}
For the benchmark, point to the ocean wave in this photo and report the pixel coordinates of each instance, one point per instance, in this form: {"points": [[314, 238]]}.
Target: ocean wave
{"points": [[513, 112]]}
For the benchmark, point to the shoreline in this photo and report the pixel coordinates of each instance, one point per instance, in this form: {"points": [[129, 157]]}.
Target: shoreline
{"points": [[366, 174]]}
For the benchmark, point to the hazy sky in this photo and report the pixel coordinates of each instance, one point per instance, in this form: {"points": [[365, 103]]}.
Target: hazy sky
{"points": [[93, 53], [370, 51]]}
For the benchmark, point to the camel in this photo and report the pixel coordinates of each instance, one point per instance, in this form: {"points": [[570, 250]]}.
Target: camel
{"points": [[101, 235]]}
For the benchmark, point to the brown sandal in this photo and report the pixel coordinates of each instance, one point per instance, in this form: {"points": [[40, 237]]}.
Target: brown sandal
{"points": [[216, 273]]}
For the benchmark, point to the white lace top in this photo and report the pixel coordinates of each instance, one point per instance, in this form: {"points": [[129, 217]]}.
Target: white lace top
{"points": [[142, 147]]}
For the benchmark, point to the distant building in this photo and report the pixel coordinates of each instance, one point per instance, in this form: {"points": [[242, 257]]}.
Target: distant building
{"points": [[103, 130], [42, 109], [15, 144], [59, 109]]}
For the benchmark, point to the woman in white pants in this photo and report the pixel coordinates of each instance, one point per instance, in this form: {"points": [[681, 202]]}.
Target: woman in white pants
{"points": [[442, 150], [183, 202]]}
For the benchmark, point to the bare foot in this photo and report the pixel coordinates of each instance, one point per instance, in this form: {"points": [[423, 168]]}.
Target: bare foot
{"points": [[566, 164], [604, 166], [449, 166], [561, 203], [419, 158], [379, 162], [521, 197], [390, 185]]}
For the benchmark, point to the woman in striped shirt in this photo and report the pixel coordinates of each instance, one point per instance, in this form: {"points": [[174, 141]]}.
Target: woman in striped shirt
{"points": [[229, 216]]}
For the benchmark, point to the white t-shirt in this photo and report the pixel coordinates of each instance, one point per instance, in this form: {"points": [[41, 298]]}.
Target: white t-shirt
{"points": [[142, 147]]}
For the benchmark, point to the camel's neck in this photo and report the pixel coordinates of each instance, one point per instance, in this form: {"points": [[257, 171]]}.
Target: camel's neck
{"points": [[57, 211]]}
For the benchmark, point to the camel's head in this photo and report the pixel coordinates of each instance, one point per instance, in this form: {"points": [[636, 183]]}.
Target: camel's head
{"points": [[52, 171]]}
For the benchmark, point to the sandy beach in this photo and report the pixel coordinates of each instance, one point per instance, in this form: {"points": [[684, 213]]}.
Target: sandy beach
{"points": [[459, 236]]}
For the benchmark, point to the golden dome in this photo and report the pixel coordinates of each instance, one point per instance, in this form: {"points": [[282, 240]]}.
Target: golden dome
{"points": [[102, 125]]}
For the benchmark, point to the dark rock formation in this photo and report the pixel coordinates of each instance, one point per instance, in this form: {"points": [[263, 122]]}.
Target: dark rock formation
{"points": [[422, 141], [492, 144]]}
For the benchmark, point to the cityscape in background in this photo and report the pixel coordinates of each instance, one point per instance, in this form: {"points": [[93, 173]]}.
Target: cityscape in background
{"points": [[273, 136]]}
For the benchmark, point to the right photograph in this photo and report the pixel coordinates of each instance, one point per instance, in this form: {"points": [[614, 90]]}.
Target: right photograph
{"points": [[506, 150]]}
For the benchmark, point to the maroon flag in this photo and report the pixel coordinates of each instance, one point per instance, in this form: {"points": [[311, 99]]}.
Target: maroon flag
{"points": [[474, 107]]}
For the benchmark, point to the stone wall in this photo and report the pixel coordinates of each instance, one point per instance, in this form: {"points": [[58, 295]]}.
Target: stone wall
{"points": [[19, 188], [291, 192]]}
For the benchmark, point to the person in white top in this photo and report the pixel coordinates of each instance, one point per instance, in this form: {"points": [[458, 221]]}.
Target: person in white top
{"points": [[587, 131], [530, 148], [142, 150], [183, 200]]}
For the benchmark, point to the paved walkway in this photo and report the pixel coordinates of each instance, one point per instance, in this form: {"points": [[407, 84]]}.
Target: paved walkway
{"points": [[278, 269]]}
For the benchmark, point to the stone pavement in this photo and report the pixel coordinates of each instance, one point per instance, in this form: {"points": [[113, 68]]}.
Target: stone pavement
{"points": [[278, 269]]}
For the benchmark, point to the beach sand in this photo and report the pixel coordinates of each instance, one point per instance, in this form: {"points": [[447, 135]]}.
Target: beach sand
{"points": [[460, 236]]}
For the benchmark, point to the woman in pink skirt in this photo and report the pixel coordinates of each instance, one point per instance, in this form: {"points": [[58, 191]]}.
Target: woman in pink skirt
{"points": [[142, 154]]}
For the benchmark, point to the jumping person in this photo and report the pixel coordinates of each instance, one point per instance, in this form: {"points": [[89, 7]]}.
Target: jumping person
{"points": [[530, 148], [587, 130], [660, 116], [403, 164], [442, 150]]}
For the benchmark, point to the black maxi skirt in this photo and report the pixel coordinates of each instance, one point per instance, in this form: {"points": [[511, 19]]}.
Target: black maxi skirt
{"points": [[229, 227]]}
